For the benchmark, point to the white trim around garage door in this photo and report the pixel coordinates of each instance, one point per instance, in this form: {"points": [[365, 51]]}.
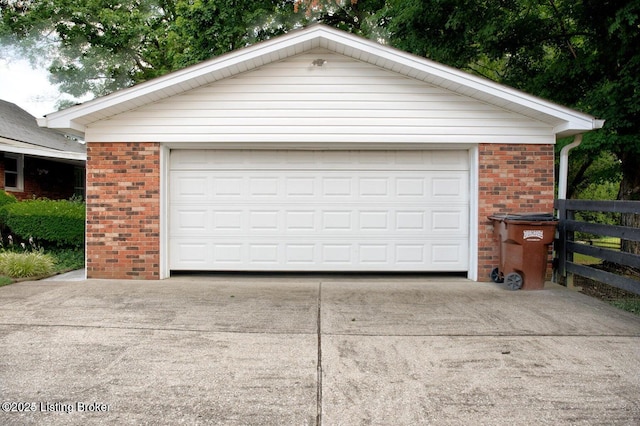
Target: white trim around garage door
{"points": [[199, 165]]}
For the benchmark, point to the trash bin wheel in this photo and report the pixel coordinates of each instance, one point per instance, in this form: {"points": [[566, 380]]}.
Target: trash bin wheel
{"points": [[514, 281], [497, 276]]}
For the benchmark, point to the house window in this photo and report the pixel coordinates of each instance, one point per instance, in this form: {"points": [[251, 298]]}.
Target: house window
{"points": [[13, 175], [79, 177]]}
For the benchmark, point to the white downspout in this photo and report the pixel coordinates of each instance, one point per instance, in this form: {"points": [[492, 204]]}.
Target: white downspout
{"points": [[562, 188], [564, 167]]}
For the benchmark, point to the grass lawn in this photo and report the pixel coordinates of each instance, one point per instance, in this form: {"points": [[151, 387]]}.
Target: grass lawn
{"points": [[611, 243]]}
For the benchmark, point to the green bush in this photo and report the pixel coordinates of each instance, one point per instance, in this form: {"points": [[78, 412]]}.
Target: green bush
{"points": [[21, 265], [67, 259], [6, 198], [59, 223]]}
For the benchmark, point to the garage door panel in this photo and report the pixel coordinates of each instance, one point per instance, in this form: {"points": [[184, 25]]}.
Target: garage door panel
{"points": [[331, 186], [410, 187], [300, 254], [449, 221], [224, 220], [377, 187], [230, 254], [373, 220], [378, 255], [449, 187], [264, 186], [300, 220], [337, 186], [192, 220], [301, 187], [352, 219], [320, 160], [447, 254], [246, 210]]}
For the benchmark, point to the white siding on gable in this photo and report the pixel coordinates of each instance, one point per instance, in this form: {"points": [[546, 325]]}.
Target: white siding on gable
{"points": [[342, 101]]}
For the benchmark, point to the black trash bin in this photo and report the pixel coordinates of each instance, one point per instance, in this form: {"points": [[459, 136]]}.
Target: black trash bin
{"points": [[524, 240]]}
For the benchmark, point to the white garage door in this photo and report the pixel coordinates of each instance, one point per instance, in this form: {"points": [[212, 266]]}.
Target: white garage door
{"points": [[319, 210]]}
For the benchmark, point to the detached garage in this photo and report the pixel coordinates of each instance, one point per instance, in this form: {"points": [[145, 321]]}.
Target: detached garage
{"points": [[314, 151]]}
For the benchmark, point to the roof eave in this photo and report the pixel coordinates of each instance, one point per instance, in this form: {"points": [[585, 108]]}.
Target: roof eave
{"points": [[44, 152], [577, 127]]}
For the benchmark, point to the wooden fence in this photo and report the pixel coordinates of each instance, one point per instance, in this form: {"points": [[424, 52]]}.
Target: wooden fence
{"points": [[566, 246]]}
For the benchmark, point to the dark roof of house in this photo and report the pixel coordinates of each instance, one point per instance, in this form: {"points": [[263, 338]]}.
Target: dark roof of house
{"points": [[18, 125]]}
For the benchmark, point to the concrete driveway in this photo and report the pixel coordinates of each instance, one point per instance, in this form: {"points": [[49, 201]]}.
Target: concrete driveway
{"points": [[304, 350]]}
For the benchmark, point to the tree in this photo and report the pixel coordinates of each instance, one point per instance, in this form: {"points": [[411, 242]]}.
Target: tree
{"points": [[358, 17], [99, 46], [580, 53]]}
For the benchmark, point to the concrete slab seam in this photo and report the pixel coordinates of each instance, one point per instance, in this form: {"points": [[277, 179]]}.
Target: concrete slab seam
{"points": [[319, 361]]}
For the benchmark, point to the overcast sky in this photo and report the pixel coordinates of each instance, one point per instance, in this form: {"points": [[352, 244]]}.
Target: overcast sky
{"points": [[28, 88]]}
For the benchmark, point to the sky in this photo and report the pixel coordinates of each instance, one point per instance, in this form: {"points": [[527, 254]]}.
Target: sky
{"points": [[27, 87]]}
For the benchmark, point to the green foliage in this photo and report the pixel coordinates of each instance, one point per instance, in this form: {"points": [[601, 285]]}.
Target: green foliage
{"points": [[598, 191], [67, 259], [21, 265], [630, 305], [6, 198], [4, 280], [100, 46], [580, 53], [59, 223], [593, 174], [204, 29]]}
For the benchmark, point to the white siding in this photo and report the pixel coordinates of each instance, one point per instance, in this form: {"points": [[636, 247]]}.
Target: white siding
{"points": [[343, 101]]}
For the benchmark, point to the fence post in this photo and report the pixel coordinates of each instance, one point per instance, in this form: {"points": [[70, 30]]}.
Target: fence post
{"points": [[563, 256], [559, 245], [568, 255]]}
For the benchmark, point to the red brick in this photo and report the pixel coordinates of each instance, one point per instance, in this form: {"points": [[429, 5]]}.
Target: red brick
{"points": [[512, 179], [123, 210], [123, 202]]}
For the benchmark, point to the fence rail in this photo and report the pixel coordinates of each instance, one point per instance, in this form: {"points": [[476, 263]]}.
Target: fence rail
{"points": [[565, 245]]}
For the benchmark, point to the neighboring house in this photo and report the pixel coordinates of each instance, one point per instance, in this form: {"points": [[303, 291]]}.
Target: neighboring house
{"points": [[314, 151], [37, 162]]}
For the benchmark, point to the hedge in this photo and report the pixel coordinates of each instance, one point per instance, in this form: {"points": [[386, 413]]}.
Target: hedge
{"points": [[6, 198], [59, 223]]}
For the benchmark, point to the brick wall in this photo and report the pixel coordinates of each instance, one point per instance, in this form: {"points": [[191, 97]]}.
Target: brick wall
{"points": [[123, 210], [123, 202], [512, 178]]}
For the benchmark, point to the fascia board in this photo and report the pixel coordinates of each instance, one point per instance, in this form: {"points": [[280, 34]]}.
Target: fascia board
{"points": [[573, 128], [62, 123], [41, 152]]}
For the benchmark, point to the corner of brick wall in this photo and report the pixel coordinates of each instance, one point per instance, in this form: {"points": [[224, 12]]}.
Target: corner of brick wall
{"points": [[123, 210], [512, 179]]}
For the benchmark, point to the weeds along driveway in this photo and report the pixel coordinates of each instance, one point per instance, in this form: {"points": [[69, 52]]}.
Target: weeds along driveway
{"points": [[313, 350]]}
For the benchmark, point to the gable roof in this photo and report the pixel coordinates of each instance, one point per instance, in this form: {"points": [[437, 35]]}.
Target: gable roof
{"points": [[19, 133], [563, 120]]}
